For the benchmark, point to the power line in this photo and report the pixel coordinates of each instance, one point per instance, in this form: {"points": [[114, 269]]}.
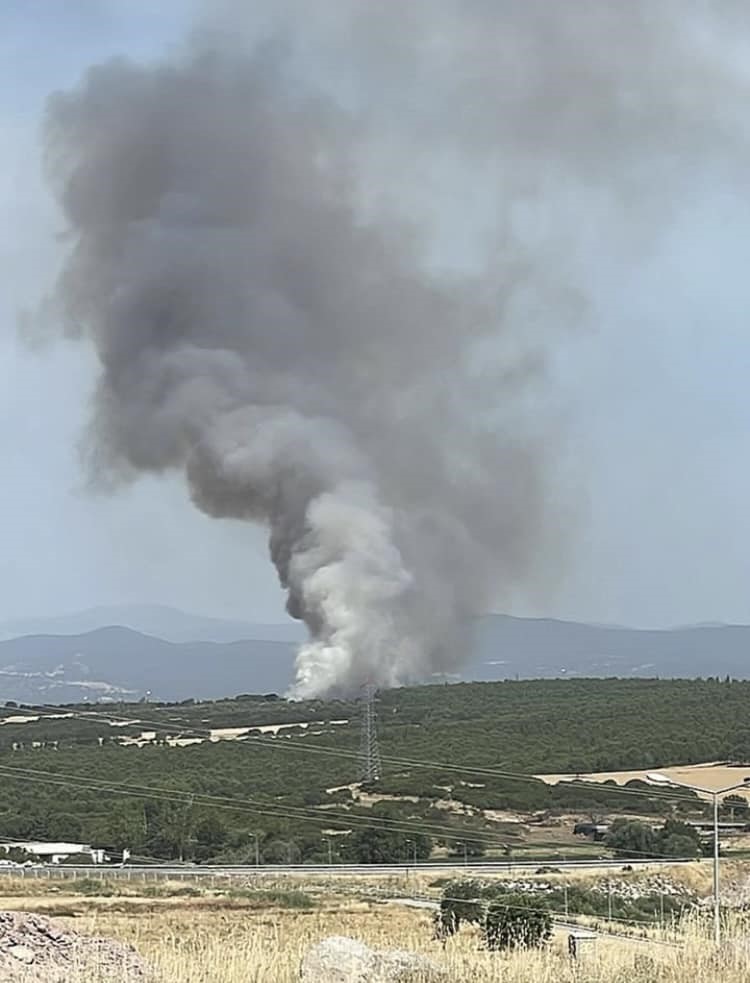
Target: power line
{"points": [[300, 813], [478, 771], [305, 814]]}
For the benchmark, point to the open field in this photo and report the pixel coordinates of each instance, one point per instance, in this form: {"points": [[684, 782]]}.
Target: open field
{"points": [[710, 775], [259, 933], [194, 941]]}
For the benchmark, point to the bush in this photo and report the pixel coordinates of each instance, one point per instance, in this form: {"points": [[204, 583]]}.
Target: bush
{"points": [[506, 920], [516, 921], [274, 899], [78, 860], [92, 887], [461, 901]]}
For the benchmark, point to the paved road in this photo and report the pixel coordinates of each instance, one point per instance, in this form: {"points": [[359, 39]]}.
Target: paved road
{"points": [[175, 871]]}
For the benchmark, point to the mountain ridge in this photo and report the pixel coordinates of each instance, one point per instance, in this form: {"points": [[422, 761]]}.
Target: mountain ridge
{"points": [[159, 620], [117, 661]]}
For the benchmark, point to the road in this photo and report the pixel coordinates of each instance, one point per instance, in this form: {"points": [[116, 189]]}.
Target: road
{"points": [[175, 870]]}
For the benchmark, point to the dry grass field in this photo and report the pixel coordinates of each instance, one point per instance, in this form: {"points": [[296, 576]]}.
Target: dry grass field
{"points": [[709, 775], [259, 934]]}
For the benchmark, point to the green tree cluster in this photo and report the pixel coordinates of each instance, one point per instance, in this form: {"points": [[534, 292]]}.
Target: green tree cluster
{"points": [[633, 838], [507, 920]]}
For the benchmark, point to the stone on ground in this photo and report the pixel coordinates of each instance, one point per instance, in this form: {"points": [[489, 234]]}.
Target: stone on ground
{"points": [[33, 948], [342, 960]]}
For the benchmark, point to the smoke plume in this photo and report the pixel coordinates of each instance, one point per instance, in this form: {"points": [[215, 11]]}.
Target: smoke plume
{"points": [[297, 359], [267, 327]]}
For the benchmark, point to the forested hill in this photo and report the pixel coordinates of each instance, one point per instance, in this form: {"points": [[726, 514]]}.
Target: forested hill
{"points": [[566, 725], [574, 725], [153, 775]]}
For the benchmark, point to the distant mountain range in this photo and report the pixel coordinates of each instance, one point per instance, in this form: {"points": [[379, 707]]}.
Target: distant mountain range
{"points": [[128, 652], [154, 619], [121, 664], [529, 647]]}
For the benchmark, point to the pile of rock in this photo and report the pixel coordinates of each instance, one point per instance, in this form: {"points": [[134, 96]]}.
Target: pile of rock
{"points": [[342, 960], [33, 948], [643, 887]]}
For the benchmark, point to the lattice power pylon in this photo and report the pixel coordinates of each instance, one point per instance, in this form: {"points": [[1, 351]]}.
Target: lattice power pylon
{"points": [[369, 752]]}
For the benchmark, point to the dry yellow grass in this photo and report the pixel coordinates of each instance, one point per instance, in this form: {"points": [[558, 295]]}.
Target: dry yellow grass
{"points": [[709, 775], [219, 939], [213, 947]]}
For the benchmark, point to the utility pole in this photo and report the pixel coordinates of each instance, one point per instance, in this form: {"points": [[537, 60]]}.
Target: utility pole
{"points": [[657, 778], [369, 752], [717, 903]]}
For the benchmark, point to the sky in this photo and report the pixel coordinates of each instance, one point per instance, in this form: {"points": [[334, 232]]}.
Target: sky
{"points": [[653, 384]]}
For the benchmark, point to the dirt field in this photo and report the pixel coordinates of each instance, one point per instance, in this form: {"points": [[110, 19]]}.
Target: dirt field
{"points": [[710, 775]]}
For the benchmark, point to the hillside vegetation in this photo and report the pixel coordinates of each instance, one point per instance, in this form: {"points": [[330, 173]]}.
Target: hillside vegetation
{"points": [[454, 751]]}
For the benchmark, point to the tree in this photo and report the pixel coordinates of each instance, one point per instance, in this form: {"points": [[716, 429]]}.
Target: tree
{"points": [[735, 807], [170, 830], [17, 855], [678, 839], [210, 837], [516, 920], [468, 848], [65, 827], [278, 851], [123, 828], [376, 845], [679, 846], [631, 838]]}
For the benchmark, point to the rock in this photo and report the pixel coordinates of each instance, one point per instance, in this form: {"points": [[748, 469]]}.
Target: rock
{"points": [[342, 960], [22, 953], [35, 950]]}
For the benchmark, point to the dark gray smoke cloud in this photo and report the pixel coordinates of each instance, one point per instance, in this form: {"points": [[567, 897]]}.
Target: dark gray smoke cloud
{"points": [[265, 325], [298, 360]]}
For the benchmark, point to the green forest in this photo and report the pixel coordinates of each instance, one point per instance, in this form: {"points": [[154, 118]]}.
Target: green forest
{"points": [[284, 795]]}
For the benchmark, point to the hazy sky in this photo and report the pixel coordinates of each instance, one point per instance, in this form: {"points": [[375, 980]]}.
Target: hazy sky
{"points": [[655, 386]]}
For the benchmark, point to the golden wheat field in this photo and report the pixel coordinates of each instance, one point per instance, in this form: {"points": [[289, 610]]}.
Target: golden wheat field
{"points": [[192, 935]]}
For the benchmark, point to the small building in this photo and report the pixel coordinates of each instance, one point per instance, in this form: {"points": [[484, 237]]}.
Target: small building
{"points": [[57, 853], [707, 826]]}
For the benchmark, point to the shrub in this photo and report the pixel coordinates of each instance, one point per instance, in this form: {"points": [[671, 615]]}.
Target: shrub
{"points": [[517, 920]]}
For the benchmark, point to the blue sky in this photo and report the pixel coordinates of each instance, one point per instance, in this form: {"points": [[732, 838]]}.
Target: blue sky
{"points": [[655, 385]]}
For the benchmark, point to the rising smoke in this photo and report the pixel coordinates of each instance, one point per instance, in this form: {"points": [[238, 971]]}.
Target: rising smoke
{"points": [[264, 326]]}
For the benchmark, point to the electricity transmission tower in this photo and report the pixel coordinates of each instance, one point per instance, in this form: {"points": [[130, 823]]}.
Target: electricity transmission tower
{"points": [[369, 752]]}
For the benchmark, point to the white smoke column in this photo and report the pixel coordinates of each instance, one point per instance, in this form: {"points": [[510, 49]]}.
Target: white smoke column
{"points": [[335, 551], [297, 360]]}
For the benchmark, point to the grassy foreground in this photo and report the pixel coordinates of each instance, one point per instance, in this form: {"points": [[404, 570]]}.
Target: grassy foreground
{"points": [[240, 947], [258, 934]]}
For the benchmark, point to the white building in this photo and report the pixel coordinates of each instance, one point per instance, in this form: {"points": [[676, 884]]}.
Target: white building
{"points": [[56, 853]]}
